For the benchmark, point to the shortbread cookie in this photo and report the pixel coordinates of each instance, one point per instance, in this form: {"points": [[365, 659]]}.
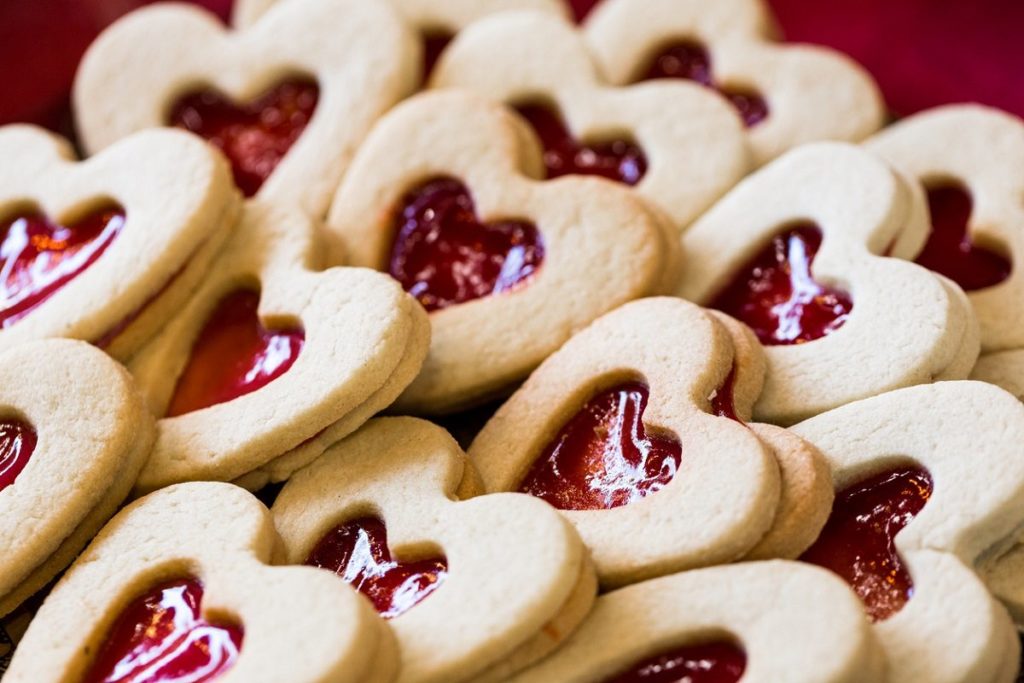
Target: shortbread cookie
{"points": [[764, 621], [977, 216], [313, 76], [679, 145], [1004, 369], [627, 430], [105, 249], [443, 196], [182, 574], [797, 250], [787, 94], [928, 479], [74, 435], [273, 360], [476, 587]]}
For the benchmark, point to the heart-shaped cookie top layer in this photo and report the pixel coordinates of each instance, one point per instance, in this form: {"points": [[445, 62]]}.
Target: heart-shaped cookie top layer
{"points": [[619, 160], [17, 442], [160, 637], [602, 458], [254, 136], [717, 662], [39, 256], [234, 355], [776, 294], [443, 255], [858, 541], [357, 551]]}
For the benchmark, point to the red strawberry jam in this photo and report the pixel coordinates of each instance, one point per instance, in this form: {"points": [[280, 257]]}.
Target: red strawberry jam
{"points": [[582, 8], [443, 255], [39, 256], [720, 662], [17, 442], [254, 136], [723, 403], [234, 355], [603, 458], [857, 542], [776, 295], [161, 638], [357, 551]]}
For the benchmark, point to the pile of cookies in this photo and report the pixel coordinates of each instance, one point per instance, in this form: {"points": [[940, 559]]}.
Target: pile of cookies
{"points": [[736, 372]]}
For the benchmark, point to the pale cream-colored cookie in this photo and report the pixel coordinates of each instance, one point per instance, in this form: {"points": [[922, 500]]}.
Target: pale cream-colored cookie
{"points": [[361, 55], [793, 623], [907, 325], [966, 436], [1004, 369], [74, 434], [693, 142], [812, 93], [516, 578], [601, 245], [178, 205], [364, 342], [297, 624]]}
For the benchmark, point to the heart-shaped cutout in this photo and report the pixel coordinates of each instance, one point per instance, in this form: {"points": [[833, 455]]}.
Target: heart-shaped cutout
{"points": [[776, 295], [160, 636], [858, 544], [254, 136], [17, 442], [716, 662], [619, 160], [443, 255], [234, 355], [602, 458], [723, 402], [357, 551]]}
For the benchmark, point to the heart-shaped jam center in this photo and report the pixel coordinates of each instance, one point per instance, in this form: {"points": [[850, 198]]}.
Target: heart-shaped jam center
{"points": [[234, 355], [858, 541], [443, 255], [719, 662], [357, 551], [723, 403], [618, 160], [39, 256], [17, 442], [582, 8], [950, 251], [253, 136], [603, 458], [161, 638], [776, 295], [691, 61]]}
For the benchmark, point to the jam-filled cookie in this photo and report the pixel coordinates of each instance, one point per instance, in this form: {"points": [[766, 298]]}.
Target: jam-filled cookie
{"points": [[475, 587], [105, 250], [287, 100], [928, 479], [177, 587], [787, 95], [798, 251]]}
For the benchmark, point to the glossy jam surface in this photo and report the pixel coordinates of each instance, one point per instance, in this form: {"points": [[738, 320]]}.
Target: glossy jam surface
{"points": [[17, 442], [161, 638], [603, 458], [857, 542], [776, 295], [949, 249], [618, 160], [39, 256], [692, 61], [443, 255], [253, 136], [357, 551], [723, 402], [719, 662], [234, 355]]}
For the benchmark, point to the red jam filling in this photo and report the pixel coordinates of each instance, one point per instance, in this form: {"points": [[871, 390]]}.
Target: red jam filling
{"points": [[857, 542], [581, 8], [161, 638], [433, 45], [357, 551], [776, 295], [618, 160], [443, 255], [603, 458], [17, 441], [254, 136], [720, 662], [723, 402], [234, 355], [39, 256], [691, 61], [950, 251]]}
